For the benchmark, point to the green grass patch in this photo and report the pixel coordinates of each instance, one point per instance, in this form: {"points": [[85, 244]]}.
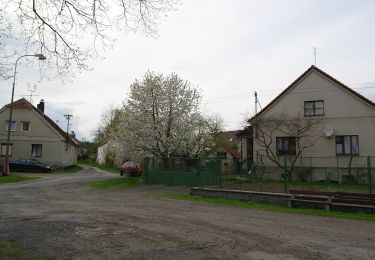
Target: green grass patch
{"points": [[89, 162], [10, 251], [15, 178], [269, 207], [117, 183]]}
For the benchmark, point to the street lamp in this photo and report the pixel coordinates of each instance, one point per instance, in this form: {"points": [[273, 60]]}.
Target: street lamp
{"points": [[6, 161]]}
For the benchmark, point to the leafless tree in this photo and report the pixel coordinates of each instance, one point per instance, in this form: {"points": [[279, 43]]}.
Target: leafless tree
{"points": [[304, 131], [69, 32]]}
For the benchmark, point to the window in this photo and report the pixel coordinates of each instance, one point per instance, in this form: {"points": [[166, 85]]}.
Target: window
{"points": [[36, 150], [314, 108], [347, 145], [4, 149], [12, 126], [285, 145], [25, 126]]}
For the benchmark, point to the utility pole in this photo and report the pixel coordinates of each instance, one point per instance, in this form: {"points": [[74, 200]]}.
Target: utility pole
{"points": [[256, 102], [67, 116]]}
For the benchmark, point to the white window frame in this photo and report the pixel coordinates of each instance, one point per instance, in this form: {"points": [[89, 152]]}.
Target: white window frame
{"points": [[3, 148], [36, 154], [316, 109], [12, 123], [22, 124], [347, 146]]}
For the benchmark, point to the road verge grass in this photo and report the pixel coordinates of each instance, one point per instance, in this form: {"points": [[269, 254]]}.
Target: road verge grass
{"points": [[268, 207], [117, 183], [10, 250], [15, 178]]}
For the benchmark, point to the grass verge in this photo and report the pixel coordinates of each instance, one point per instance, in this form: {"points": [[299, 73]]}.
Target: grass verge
{"points": [[9, 251], [269, 207], [15, 178], [117, 183]]}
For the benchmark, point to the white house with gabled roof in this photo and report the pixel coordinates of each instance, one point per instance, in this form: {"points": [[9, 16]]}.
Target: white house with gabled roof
{"points": [[345, 123], [34, 135]]}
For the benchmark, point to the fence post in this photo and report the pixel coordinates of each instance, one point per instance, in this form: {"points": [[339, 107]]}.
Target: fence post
{"points": [[219, 173], [285, 176], [369, 177], [146, 170], [198, 171]]}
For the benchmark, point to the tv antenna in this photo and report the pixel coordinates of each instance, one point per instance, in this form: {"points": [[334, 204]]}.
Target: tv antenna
{"points": [[315, 56], [32, 90]]}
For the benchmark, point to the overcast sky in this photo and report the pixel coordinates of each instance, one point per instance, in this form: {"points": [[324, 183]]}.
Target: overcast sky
{"points": [[229, 49]]}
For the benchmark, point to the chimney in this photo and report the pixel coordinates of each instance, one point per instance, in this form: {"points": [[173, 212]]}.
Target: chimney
{"points": [[40, 106], [73, 134]]}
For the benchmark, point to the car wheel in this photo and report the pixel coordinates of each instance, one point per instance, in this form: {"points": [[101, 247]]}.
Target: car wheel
{"points": [[121, 174]]}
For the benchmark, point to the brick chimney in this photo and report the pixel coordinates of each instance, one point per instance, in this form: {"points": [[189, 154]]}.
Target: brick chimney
{"points": [[40, 106]]}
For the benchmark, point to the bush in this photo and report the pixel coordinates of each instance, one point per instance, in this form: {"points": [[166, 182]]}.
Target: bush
{"points": [[303, 173], [110, 160]]}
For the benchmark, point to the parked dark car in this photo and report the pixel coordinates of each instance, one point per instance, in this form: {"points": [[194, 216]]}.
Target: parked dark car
{"points": [[29, 165], [131, 169]]}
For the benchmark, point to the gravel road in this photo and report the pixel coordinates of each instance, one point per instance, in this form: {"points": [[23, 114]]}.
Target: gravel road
{"points": [[60, 216]]}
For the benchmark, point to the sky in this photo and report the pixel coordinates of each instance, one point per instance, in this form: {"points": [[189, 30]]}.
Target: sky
{"points": [[228, 49]]}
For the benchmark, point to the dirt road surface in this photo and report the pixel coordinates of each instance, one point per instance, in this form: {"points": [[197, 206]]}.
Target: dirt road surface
{"points": [[60, 216]]}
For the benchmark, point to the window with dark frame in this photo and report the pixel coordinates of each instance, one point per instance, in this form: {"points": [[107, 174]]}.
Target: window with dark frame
{"points": [[12, 126], [314, 108], [347, 145], [286, 145], [4, 149], [36, 150], [25, 126]]}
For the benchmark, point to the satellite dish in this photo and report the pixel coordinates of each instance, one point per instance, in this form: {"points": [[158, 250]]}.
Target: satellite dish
{"points": [[328, 132]]}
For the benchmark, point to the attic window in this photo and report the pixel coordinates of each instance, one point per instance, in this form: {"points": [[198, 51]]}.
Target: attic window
{"points": [[314, 108], [12, 126], [25, 126]]}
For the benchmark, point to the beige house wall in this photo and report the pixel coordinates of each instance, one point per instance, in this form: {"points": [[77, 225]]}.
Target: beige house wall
{"points": [[41, 132], [346, 113]]}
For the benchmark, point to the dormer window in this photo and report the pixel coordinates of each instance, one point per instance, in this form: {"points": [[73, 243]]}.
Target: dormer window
{"points": [[314, 108]]}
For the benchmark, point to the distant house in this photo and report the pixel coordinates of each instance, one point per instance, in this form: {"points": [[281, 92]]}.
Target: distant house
{"points": [[345, 125], [228, 147], [106, 153], [246, 147], [35, 135], [102, 152]]}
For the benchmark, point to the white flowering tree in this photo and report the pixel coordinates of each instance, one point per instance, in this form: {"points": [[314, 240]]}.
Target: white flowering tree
{"points": [[162, 118]]}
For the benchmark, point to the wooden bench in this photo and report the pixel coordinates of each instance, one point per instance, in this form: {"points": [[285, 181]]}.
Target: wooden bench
{"points": [[351, 200], [325, 201]]}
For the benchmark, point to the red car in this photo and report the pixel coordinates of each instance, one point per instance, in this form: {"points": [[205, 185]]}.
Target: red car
{"points": [[131, 168]]}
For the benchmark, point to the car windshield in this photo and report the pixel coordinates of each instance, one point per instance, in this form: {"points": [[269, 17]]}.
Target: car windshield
{"points": [[32, 161]]}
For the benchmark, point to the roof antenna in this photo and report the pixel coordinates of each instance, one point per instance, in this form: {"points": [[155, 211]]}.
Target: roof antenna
{"points": [[315, 55], [32, 93]]}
